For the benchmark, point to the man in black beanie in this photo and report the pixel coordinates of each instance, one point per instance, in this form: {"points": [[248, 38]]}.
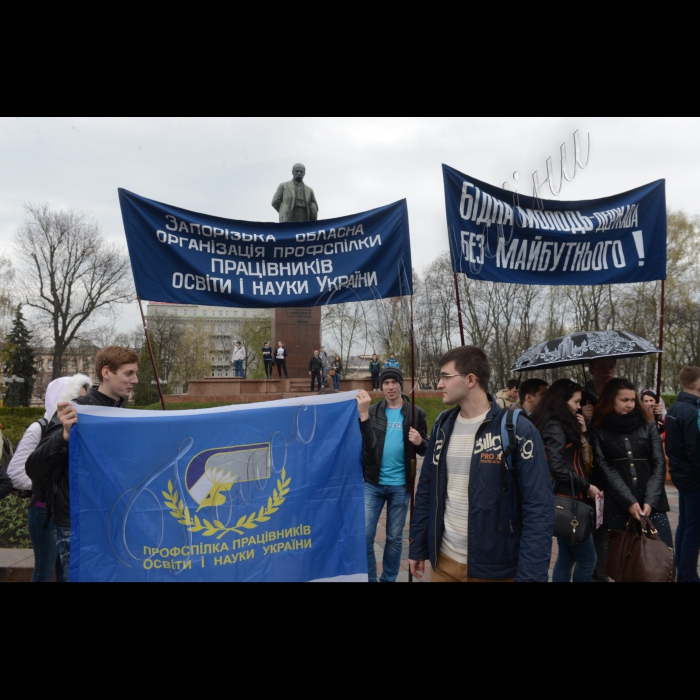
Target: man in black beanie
{"points": [[388, 441]]}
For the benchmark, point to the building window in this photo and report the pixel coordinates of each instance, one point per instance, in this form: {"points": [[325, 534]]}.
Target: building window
{"points": [[185, 313], [194, 313], [227, 313], [213, 373], [245, 314], [204, 313], [213, 359]]}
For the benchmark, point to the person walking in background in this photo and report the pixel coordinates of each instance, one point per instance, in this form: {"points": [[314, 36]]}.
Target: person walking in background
{"points": [[474, 519], [683, 450], [570, 457], [268, 360], [315, 371], [238, 360], [506, 398], [326, 366], [375, 369], [392, 363], [531, 394], [630, 466], [281, 360], [48, 465], [42, 530], [337, 368], [388, 441]]}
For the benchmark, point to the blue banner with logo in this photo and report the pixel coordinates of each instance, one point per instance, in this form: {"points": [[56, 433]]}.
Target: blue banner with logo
{"points": [[501, 236], [269, 492], [181, 257]]}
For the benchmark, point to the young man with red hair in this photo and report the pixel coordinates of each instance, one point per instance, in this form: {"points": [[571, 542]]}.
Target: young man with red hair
{"points": [[116, 369]]}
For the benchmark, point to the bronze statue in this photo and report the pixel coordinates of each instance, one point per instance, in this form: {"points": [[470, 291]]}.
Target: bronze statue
{"points": [[294, 200]]}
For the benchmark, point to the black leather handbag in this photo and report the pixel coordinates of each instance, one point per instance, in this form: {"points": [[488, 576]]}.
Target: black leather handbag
{"points": [[573, 520]]}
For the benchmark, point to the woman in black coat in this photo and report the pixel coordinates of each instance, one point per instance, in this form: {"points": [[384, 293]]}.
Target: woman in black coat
{"points": [[630, 466], [559, 420]]}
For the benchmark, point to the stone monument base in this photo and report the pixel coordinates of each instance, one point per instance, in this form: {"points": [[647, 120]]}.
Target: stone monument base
{"points": [[300, 330]]}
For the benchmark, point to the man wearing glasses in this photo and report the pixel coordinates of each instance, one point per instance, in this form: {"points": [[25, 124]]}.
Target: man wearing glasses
{"points": [[476, 519]]}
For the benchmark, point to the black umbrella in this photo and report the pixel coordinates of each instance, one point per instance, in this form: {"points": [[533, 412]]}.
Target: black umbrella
{"points": [[578, 348]]}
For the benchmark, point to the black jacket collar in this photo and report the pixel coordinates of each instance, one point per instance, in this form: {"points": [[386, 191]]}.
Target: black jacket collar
{"points": [[684, 397], [96, 398]]}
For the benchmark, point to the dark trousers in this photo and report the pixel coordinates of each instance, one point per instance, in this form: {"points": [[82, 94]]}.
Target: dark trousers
{"points": [[375, 382], [269, 367], [315, 379], [282, 367], [688, 538]]}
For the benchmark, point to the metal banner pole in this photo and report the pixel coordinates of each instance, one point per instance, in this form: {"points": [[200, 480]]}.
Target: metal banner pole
{"points": [[661, 340], [413, 423], [150, 351], [459, 311]]}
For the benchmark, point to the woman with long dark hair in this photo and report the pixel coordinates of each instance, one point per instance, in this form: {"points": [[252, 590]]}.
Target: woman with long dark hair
{"points": [[630, 466], [558, 417]]}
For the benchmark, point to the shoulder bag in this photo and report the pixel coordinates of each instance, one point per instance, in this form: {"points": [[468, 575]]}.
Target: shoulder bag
{"points": [[574, 520]]}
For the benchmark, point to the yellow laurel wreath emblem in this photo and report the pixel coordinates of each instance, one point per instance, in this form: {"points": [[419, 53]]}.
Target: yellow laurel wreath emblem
{"points": [[182, 514]]}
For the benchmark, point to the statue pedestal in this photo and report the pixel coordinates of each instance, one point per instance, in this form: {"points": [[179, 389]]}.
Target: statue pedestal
{"points": [[300, 330]]}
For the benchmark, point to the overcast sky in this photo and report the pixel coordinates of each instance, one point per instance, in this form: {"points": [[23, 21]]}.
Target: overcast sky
{"points": [[231, 166]]}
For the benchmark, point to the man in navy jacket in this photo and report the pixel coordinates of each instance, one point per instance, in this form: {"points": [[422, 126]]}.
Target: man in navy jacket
{"points": [[683, 451], [474, 520]]}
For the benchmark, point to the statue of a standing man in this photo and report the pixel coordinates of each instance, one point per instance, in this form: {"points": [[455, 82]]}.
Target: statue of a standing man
{"points": [[294, 200]]}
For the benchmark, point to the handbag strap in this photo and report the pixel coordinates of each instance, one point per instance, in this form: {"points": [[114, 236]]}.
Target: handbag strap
{"points": [[573, 491]]}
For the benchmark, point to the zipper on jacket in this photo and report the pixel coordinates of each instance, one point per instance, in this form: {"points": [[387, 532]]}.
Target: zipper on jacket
{"points": [[512, 531], [471, 483], [437, 494]]}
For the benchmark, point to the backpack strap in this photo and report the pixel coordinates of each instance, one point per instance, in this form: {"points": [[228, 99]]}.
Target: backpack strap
{"points": [[509, 443]]}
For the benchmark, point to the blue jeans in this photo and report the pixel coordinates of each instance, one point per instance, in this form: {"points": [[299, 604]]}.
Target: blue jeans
{"points": [[579, 560], [238, 369], [63, 536], [44, 545], [688, 538], [397, 500], [336, 382], [324, 376]]}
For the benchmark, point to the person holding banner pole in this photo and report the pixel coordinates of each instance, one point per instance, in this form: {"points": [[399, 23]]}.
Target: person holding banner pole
{"points": [[389, 437], [47, 466]]}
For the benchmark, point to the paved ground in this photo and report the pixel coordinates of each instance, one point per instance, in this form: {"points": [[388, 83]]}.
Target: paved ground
{"points": [[404, 575]]}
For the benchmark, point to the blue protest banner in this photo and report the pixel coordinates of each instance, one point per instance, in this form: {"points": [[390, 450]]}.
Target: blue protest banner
{"points": [[500, 236], [181, 257], [269, 492]]}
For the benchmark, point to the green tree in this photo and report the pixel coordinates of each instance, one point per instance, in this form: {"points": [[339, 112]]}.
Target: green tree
{"points": [[19, 361], [146, 392]]}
